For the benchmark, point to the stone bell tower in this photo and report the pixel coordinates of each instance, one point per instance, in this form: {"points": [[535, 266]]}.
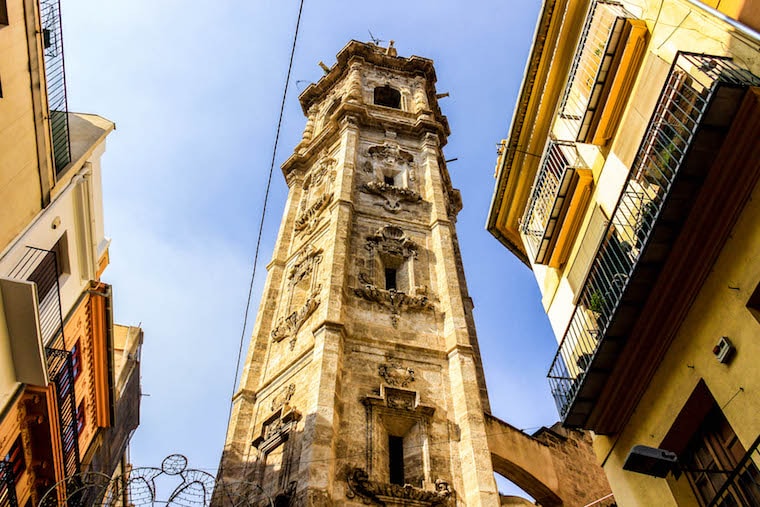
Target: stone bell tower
{"points": [[363, 382]]}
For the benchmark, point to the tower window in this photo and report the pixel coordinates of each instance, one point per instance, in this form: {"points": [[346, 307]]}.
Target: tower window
{"points": [[396, 459], [388, 97], [388, 180], [390, 278]]}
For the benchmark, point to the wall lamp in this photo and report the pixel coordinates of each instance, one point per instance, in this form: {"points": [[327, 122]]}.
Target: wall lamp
{"points": [[659, 463]]}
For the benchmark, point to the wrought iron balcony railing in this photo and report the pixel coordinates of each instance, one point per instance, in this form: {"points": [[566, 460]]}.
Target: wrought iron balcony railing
{"points": [[55, 78], [688, 92], [61, 371], [742, 487], [41, 267], [7, 485], [550, 189], [590, 69]]}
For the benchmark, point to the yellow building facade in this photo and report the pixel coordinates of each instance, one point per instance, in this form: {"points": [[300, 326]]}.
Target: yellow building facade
{"points": [[629, 185], [64, 406]]}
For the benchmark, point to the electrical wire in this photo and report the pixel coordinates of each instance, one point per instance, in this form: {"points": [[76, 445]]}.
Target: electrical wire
{"points": [[261, 219]]}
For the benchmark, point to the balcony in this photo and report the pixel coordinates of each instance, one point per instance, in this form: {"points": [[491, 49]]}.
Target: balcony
{"points": [[611, 47], [61, 374], [700, 101], [742, 487], [562, 172], [55, 78], [41, 267], [32, 307], [7, 485]]}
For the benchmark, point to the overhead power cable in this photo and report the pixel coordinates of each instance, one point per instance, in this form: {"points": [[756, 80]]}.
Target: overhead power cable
{"points": [[263, 215]]}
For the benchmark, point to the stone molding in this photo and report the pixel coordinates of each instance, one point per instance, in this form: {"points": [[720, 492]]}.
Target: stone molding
{"points": [[380, 493]]}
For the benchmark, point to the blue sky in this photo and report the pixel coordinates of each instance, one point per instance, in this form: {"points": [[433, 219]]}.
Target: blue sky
{"points": [[194, 89]]}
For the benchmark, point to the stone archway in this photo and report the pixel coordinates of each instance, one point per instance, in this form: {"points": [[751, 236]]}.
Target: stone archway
{"points": [[555, 466]]}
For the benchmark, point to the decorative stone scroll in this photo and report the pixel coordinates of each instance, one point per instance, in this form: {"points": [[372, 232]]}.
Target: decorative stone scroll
{"points": [[379, 493]]}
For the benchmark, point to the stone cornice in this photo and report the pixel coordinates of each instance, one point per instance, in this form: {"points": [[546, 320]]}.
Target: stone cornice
{"points": [[372, 54], [365, 116]]}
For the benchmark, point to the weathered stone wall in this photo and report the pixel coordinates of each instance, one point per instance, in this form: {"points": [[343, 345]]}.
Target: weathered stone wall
{"points": [[555, 466]]}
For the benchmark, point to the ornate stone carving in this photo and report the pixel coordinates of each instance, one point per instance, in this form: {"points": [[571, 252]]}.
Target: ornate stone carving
{"points": [[389, 157], [378, 493], [400, 399], [276, 430], [395, 301], [396, 375], [308, 131], [289, 326], [309, 217], [392, 194], [308, 260], [420, 98], [282, 398], [453, 202], [317, 194], [391, 240], [355, 84]]}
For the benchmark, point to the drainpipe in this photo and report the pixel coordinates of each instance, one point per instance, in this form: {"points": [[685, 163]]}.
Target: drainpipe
{"points": [[737, 25]]}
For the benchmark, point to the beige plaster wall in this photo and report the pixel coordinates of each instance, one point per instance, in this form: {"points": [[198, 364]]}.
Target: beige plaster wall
{"points": [[19, 173], [719, 310]]}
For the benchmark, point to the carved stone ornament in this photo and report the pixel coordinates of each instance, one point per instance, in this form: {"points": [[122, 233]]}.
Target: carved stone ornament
{"points": [[389, 156], [309, 217], [276, 430], [309, 258], [453, 202], [282, 398], [392, 241], [319, 181], [289, 326], [379, 493], [393, 195], [396, 375], [400, 399], [395, 301]]}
